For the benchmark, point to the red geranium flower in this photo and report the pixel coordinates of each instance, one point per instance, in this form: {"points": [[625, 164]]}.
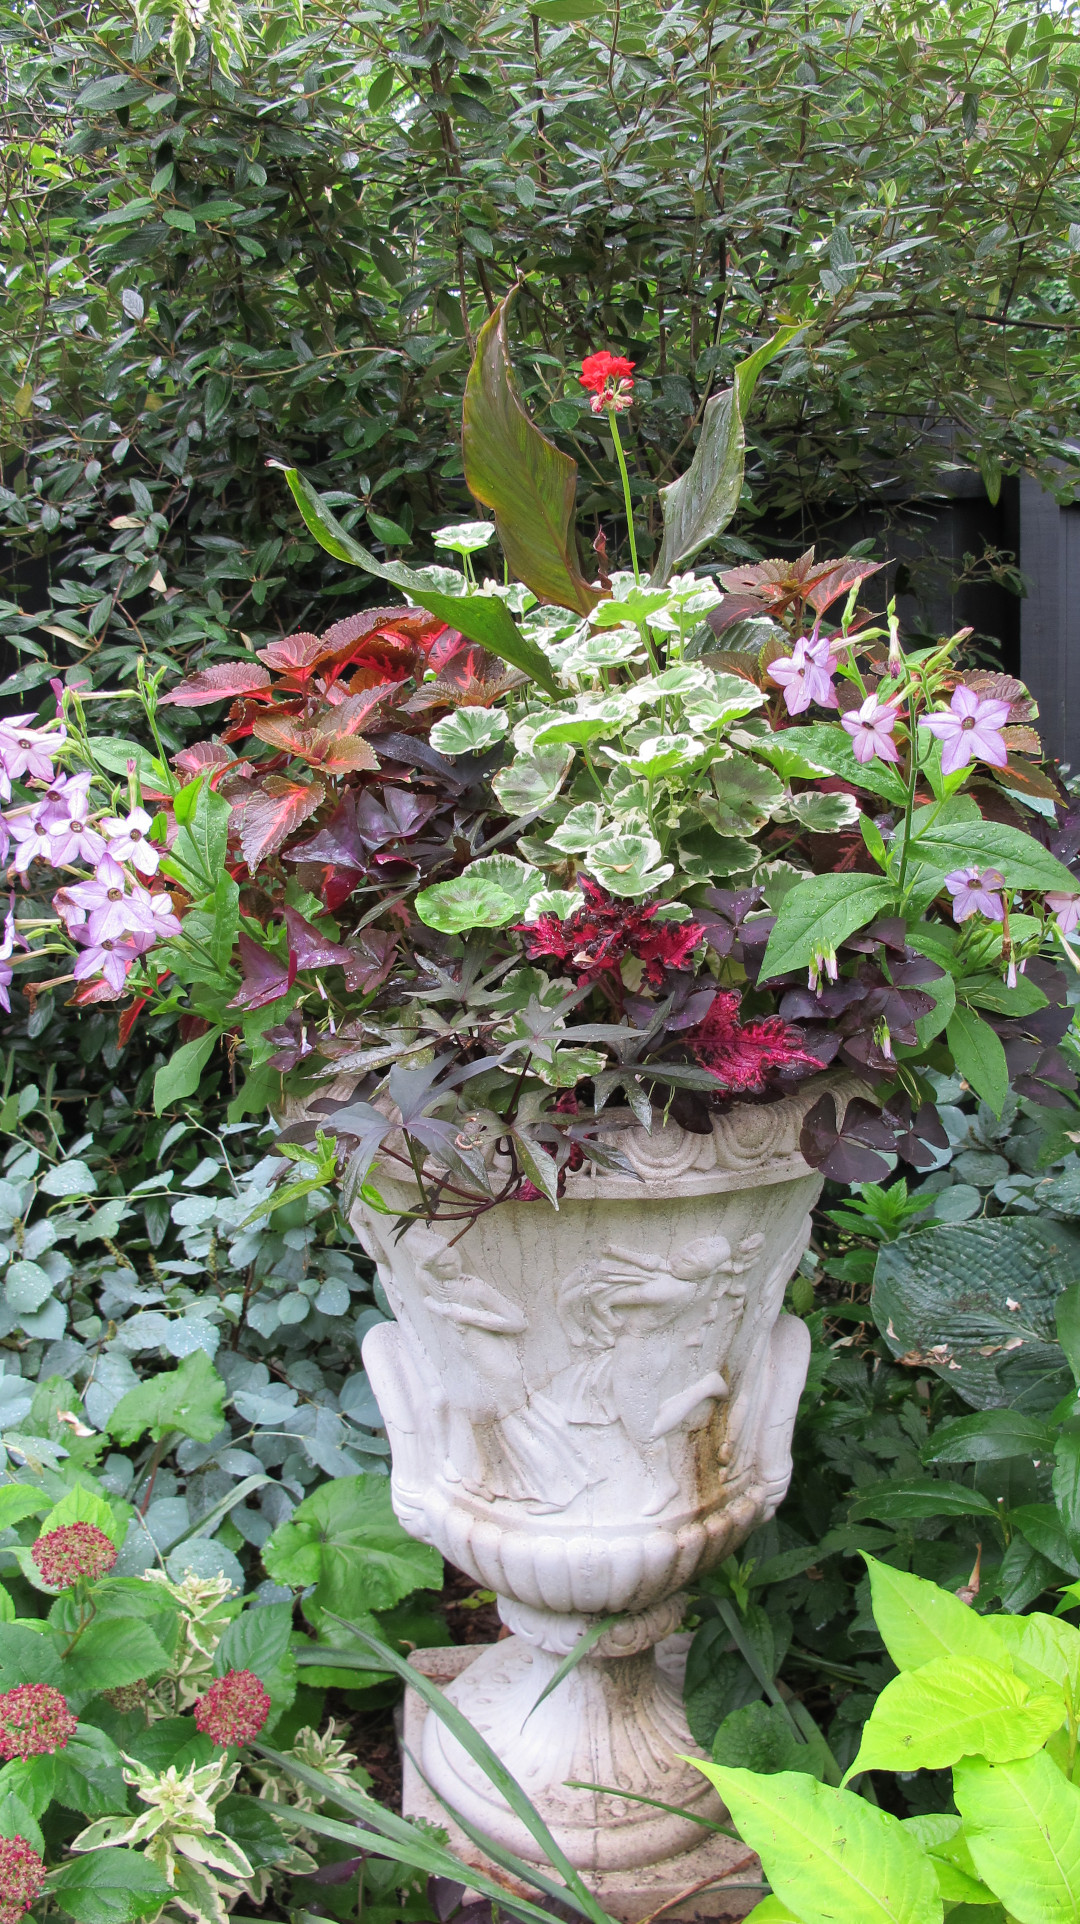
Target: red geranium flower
{"points": [[34, 1721], [234, 1708], [608, 379], [740, 1054], [598, 935]]}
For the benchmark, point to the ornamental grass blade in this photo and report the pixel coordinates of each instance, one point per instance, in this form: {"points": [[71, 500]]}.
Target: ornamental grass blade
{"points": [[522, 476], [388, 1835], [481, 1753], [570, 1662], [482, 618], [698, 506]]}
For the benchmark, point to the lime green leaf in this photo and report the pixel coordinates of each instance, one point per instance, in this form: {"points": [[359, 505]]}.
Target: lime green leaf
{"points": [[919, 1622], [86, 1506], [827, 1854], [190, 1399], [1022, 1826], [1043, 1649], [956, 1707], [979, 1056], [821, 912], [487, 895], [698, 506], [483, 618], [512, 468], [346, 1540]]}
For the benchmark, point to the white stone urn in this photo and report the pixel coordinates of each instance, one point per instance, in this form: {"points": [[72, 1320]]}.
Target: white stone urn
{"points": [[587, 1409]]}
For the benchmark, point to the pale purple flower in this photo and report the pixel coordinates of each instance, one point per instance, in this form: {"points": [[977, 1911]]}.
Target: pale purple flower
{"points": [[111, 958], [66, 797], [1065, 909], [105, 906], [870, 728], [128, 840], [34, 843], [975, 892], [7, 948], [6, 976], [157, 911], [75, 840], [970, 730], [805, 676], [26, 749]]}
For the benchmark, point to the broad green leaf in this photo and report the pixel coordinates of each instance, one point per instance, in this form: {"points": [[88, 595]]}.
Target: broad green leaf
{"points": [[190, 1399], [822, 747], [18, 1501], [88, 1774], [955, 1707], [828, 1855], [579, 829], [108, 1887], [942, 841], [771, 1911], [759, 1737], [114, 755], [468, 731], [1043, 1528], [30, 1781], [901, 1499], [979, 1056], [1022, 1827], [628, 865], [180, 1076], [820, 912], [1066, 1481], [482, 618], [1068, 1327], [112, 1652], [742, 796], [698, 506], [71, 1178], [823, 814], [920, 1623], [27, 1656], [1043, 1649], [197, 856], [487, 895], [533, 780], [347, 1541], [990, 1437], [80, 1505], [527, 481]]}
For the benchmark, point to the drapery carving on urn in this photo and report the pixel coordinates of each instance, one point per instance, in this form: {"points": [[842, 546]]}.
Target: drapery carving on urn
{"points": [[587, 1408]]}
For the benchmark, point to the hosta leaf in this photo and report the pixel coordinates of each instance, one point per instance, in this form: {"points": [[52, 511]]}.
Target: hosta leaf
{"points": [[487, 895], [522, 476], [955, 1707]]}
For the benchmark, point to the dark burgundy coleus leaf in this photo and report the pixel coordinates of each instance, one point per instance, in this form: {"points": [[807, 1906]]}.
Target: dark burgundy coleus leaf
{"points": [[364, 821], [370, 957], [265, 978], [594, 940]]}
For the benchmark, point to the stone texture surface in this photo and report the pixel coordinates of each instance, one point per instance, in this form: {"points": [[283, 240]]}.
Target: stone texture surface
{"points": [[714, 1878], [587, 1408]]}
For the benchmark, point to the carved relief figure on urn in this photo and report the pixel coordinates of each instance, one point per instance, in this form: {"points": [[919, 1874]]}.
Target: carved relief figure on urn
{"points": [[586, 1409]]}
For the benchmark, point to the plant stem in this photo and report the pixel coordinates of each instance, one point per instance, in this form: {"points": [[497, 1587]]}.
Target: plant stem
{"points": [[621, 459]]}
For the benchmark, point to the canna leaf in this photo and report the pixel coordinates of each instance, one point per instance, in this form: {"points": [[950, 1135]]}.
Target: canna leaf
{"points": [[515, 470], [482, 618]]}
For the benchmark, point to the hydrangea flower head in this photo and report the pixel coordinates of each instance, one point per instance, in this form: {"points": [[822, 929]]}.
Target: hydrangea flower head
{"points": [[22, 1878], [34, 1721], [608, 378], [74, 1550], [234, 1708]]}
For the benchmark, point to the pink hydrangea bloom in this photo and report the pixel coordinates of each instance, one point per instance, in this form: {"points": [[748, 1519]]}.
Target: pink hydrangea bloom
{"points": [[34, 1721], [975, 892], [871, 728], [74, 1550], [805, 675], [969, 730], [22, 1878], [234, 1708]]}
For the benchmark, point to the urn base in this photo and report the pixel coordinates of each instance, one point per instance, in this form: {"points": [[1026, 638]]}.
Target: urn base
{"points": [[635, 1859]]}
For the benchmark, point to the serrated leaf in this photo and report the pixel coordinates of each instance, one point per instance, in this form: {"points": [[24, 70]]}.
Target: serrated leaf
{"points": [[190, 1399], [221, 682], [108, 1887], [267, 817], [346, 1540]]}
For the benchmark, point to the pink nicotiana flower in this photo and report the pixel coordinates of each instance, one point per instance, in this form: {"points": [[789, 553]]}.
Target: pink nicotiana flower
{"points": [[66, 798], [805, 675], [970, 730], [26, 749], [111, 958], [976, 892], [823, 966], [7, 949], [1065, 910], [34, 843], [75, 840], [158, 910], [105, 906], [128, 840], [870, 728]]}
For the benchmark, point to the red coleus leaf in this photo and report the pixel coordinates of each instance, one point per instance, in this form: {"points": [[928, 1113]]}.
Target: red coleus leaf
{"points": [[331, 744], [267, 817], [740, 1055], [265, 978], [295, 654], [597, 936], [218, 683], [200, 756], [95, 990], [777, 583], [841, 578]]}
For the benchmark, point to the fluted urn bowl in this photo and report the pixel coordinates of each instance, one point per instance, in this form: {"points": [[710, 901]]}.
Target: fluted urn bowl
{"points": [[587, 1409]]}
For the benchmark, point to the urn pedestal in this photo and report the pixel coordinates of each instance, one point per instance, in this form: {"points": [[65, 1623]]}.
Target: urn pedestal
{"points": [[587, 1409]]}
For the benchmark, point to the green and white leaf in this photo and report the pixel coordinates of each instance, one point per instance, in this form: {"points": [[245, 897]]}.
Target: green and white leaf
{"points": [[488, 894]]}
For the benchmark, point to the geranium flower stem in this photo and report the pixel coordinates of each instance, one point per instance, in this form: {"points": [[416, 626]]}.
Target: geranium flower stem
{"points": [[621, 459]]}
